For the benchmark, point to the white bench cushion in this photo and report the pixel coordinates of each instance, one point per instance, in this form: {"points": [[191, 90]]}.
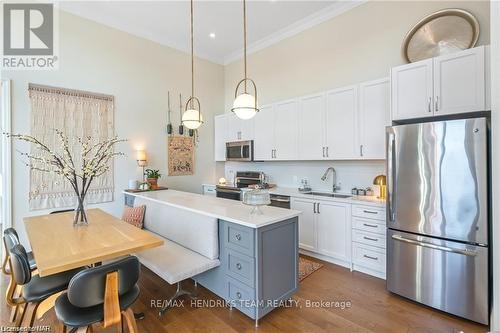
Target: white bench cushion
{"points": [[173, 262], [191, 230]]}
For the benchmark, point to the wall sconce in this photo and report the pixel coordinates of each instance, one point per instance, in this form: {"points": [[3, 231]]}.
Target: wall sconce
{"points": [[381, 181], [142, 160]]}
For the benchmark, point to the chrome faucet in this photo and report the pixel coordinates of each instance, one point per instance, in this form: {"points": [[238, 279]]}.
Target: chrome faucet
{"points": [[334, 187]]}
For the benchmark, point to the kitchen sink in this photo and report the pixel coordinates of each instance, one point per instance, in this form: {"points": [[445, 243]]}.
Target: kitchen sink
{"points": [[330, 195]]}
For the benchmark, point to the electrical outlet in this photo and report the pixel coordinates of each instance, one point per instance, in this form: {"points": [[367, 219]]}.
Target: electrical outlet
{"points": [[295, 179]]}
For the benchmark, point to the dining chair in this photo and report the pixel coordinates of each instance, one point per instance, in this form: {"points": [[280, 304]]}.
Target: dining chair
{"points": [[101, 294], [36, 290], [10, 239]]}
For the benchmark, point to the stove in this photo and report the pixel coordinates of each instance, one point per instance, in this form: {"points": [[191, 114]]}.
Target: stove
{"points": [[243, 179]]}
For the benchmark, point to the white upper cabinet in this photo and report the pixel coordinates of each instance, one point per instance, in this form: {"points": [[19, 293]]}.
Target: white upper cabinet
{"points": [[374, 116], [449, 84], [412, 90], [286, 130], [239, 129], [264, 133], [459, 81], [340, 122], [220, 137], [311, 127]]}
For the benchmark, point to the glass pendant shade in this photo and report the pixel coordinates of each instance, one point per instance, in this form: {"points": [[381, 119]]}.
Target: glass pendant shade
{"points": [[245, 106], [192, 119]]}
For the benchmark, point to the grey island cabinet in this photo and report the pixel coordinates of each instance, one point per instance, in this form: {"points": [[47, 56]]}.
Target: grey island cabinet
{"points": [[258, 254]]}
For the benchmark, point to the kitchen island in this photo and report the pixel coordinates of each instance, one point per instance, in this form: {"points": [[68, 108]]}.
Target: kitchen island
{"points": [[258, 254]]}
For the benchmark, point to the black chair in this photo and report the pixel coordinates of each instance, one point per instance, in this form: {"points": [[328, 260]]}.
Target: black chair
{"points": [[62, 211], [101, 294], [35, 289], [11, 239]]}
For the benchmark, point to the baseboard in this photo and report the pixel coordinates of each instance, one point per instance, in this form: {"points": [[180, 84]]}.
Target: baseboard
{"points": [[331, 260], [380, 275]]}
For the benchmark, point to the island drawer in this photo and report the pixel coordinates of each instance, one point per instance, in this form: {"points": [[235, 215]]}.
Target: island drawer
{"points": [[241, 297], [369, 212], [368, 238], [239, 238], [369, 256], [368, 225], [241, 267]]}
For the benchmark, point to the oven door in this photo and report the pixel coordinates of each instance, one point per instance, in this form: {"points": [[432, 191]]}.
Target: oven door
{"points": [[228, 193], [239, 151]]}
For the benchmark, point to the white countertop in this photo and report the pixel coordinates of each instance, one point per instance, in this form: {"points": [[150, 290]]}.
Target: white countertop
{"points": [[364, 200], [224, 209]]}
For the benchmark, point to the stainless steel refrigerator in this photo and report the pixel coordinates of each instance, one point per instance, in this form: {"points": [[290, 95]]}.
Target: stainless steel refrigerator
{"points": [[437, 215]]}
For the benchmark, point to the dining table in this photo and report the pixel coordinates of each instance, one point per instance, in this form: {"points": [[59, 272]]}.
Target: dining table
{"points": [[59, 246]]}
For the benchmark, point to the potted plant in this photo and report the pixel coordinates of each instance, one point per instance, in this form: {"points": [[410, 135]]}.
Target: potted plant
{"points": [[152, 177]]}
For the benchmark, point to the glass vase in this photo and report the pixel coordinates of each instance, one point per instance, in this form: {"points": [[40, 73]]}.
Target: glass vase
{"points": [[80, 213]]}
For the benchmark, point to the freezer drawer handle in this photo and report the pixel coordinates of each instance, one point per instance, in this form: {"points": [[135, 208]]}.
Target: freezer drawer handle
{"points": [[370, 257], [370, 225], [433, 246]]}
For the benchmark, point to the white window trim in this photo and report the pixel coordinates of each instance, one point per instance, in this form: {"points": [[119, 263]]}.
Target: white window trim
{"points": [[5, 122]]}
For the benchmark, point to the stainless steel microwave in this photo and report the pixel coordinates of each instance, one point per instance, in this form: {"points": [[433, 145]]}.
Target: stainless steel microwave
{"points": [[239, 151]]}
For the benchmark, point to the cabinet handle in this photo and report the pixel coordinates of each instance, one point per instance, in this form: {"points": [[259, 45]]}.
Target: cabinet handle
{"points": [[369, 212], [238, 294], [361, 150], [314, 207], [370, 225], [437, 104], [370, 257], [370, 239], [323, 151], [429, 104], [275, 153], [238, 266], [327, 152], [318, 209], [238, 236]]}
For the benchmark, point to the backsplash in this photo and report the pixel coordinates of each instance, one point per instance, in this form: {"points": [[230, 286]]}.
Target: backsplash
{"points": [[289, 174]]}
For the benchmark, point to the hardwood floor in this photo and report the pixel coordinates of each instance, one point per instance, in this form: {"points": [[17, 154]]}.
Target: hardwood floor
{"points": [[373, 309]]}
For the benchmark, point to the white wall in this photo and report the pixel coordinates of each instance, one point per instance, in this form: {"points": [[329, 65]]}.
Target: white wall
{"points": [[138, 73], [350, 174], [359, 45]]}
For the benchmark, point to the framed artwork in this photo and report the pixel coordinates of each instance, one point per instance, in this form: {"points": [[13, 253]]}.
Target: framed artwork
{"points": [[180, 156]]}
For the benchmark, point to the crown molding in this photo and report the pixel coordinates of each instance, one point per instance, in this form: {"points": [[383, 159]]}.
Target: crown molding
{"points": [[308, 22]]}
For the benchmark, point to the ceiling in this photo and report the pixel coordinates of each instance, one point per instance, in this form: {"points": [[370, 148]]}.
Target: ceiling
{"points": [[167, 22]]}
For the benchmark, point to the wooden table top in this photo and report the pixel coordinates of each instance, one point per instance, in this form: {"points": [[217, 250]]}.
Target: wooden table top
{"points": [[58, 246]]}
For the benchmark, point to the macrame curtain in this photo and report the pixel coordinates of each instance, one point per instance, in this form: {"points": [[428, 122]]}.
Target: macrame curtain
{"points": [[77, 114]]}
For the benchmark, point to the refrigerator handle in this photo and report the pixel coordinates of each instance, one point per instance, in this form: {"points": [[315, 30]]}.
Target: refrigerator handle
{"points": [[433, 246], [391, 169]]}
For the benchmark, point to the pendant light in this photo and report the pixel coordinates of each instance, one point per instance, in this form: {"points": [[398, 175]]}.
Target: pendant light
{"points": [[192, 118], [245, 104]]}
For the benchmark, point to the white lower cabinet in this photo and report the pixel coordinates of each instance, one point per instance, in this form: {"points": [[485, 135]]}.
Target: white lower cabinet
{"points": [[325, 229], [333, 224], [307, 225], [350, 235], [368, 240]]}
